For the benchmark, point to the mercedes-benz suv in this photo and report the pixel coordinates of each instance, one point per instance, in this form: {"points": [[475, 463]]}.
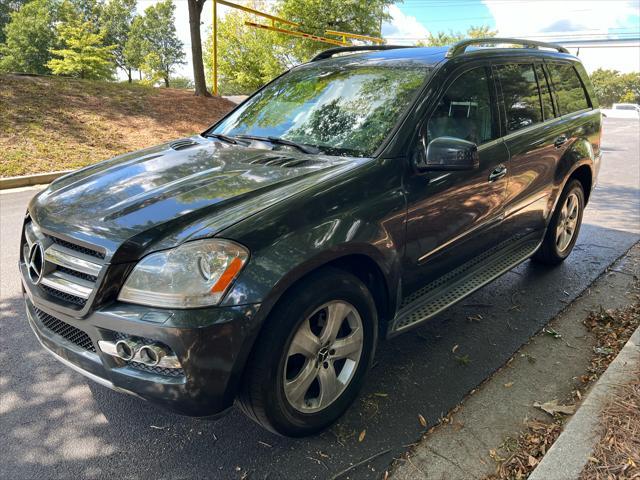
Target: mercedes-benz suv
{"points": [[351, 199]]}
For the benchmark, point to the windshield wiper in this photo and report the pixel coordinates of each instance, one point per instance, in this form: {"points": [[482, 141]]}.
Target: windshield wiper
{"points": [[281, 141], [223, 137]]}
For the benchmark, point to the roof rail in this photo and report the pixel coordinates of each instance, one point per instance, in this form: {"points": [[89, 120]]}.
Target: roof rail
{"points": [[460, 47], [354, 48]]}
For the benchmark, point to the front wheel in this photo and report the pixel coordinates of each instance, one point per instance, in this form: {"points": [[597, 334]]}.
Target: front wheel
{"points": [[311, 359], [564, 226]]}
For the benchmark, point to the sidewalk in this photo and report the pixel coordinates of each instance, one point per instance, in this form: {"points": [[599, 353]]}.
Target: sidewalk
{"points": [[485, 428]]}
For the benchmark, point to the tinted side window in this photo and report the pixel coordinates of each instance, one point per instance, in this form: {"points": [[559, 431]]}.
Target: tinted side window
{"points": [[545, 94], [464, 111], [569, 92], [521, 96]]}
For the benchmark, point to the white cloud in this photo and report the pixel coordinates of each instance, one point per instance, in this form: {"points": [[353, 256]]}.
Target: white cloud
{"points": [[403, 28], [572, 20], [591, 17]]}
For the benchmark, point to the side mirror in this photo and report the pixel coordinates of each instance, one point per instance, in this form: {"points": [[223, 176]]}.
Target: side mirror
{"points": [[449, 153]]}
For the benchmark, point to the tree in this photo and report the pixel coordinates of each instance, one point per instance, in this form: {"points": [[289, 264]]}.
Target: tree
{"points": [[29, 35], [84, 54], [153, 44], [7, 7], [611, 86], [116, 19], [195, 12], [444, 38], [133, 51], [316, 16], [248, 58]]}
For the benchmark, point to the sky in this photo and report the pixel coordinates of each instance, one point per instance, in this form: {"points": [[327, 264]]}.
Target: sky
{"points": [[586, 23]]}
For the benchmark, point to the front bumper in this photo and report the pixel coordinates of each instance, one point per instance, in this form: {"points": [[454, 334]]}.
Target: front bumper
{"points": [[212, 345]]}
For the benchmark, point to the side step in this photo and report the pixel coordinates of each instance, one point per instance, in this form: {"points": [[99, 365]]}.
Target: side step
{"points": [[452, 287]]}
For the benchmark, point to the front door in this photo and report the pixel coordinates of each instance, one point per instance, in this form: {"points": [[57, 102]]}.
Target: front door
{"points": [[453, 216]]}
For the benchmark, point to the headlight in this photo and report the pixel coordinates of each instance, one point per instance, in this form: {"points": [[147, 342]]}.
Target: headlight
{"points": [[195, 274]]}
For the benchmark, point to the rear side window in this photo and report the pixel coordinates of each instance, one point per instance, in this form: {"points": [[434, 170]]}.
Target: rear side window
{"points": [[545, 93], [569, 92], [465, 111], [521, 96]]}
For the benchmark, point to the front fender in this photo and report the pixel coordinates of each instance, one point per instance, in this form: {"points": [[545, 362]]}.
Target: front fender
{"points": [[361, 213]]}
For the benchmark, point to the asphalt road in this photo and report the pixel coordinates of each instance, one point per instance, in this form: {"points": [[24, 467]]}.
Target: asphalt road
{"points": [[57, 424]]}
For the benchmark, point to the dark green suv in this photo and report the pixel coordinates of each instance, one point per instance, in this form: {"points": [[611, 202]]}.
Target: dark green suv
{"points": [[351, 199]]}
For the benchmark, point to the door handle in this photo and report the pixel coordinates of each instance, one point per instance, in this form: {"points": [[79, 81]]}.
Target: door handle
{"points": [[561, 140], [499, 172]]}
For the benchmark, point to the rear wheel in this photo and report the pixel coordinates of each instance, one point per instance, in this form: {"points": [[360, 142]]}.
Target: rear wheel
{"points": [[564, 226], [311, 359]]}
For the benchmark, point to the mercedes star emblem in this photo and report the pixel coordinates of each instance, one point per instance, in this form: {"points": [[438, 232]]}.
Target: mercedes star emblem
{"points": [[35, 263]]}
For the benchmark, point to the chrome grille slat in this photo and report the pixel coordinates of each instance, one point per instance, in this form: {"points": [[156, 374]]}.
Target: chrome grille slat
{"points": [[68, 284], [71, 259]]}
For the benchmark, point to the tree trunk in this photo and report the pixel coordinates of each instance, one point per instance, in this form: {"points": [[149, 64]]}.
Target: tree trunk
{"points": [[129, 75], [195, 10], [166, 81]]}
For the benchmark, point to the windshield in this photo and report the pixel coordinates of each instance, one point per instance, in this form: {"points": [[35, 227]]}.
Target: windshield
{"points": [[340, 110]]}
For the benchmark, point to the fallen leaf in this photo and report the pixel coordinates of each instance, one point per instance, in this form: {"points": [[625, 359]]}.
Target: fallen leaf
{"points": [[378, 394], [455, 347], [363, 433], [158, 428], [532, 461], [550, 331], [386, 475], [463, 359], [508, 385], [603, 350], [422, 420], [552, 408]]}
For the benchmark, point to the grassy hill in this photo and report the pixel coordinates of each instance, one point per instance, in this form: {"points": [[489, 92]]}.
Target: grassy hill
{"points": [[49, 124]]}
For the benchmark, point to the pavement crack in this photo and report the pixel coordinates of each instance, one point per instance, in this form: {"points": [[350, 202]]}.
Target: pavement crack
{"points": [[447, 459]]}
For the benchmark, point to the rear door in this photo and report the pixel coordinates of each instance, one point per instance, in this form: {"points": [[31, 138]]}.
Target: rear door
{"points": [[535, 140]]}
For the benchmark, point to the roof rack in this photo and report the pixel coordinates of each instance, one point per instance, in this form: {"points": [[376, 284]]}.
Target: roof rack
{"points": [[460, 47], [354, 48]]}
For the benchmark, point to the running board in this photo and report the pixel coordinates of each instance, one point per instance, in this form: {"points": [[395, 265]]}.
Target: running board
{"points": [[452, 287]]}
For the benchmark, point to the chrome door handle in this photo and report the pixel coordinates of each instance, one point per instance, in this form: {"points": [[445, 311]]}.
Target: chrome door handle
{"points": [[561, 140], [499, 172]]}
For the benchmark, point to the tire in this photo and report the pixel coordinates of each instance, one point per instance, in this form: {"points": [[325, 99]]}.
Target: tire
{"points": [[274, 391], [553, 249]]}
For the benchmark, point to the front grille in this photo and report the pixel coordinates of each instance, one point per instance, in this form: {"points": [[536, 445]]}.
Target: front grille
{"points": [[66, 331], [78, 248], [75, 273], [66, 297], [70, 271]]}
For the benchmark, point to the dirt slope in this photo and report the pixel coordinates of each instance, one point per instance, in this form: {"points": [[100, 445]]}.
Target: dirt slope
{"points": [[49, 124]]}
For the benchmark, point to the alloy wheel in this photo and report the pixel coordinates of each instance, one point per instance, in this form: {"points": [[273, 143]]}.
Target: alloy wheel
{"points": [[323, 356], [567, 222]]}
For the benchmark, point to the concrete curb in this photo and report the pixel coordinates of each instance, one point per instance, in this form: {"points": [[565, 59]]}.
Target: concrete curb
{"points": [[26, 180], [567, 457]]}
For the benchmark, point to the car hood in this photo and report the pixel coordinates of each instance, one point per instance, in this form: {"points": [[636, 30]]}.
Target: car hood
{"points": [[186, 189]]}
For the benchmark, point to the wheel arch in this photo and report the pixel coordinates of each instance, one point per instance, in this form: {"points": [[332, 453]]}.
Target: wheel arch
{"points": [[584, 175], [361, 263]]}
